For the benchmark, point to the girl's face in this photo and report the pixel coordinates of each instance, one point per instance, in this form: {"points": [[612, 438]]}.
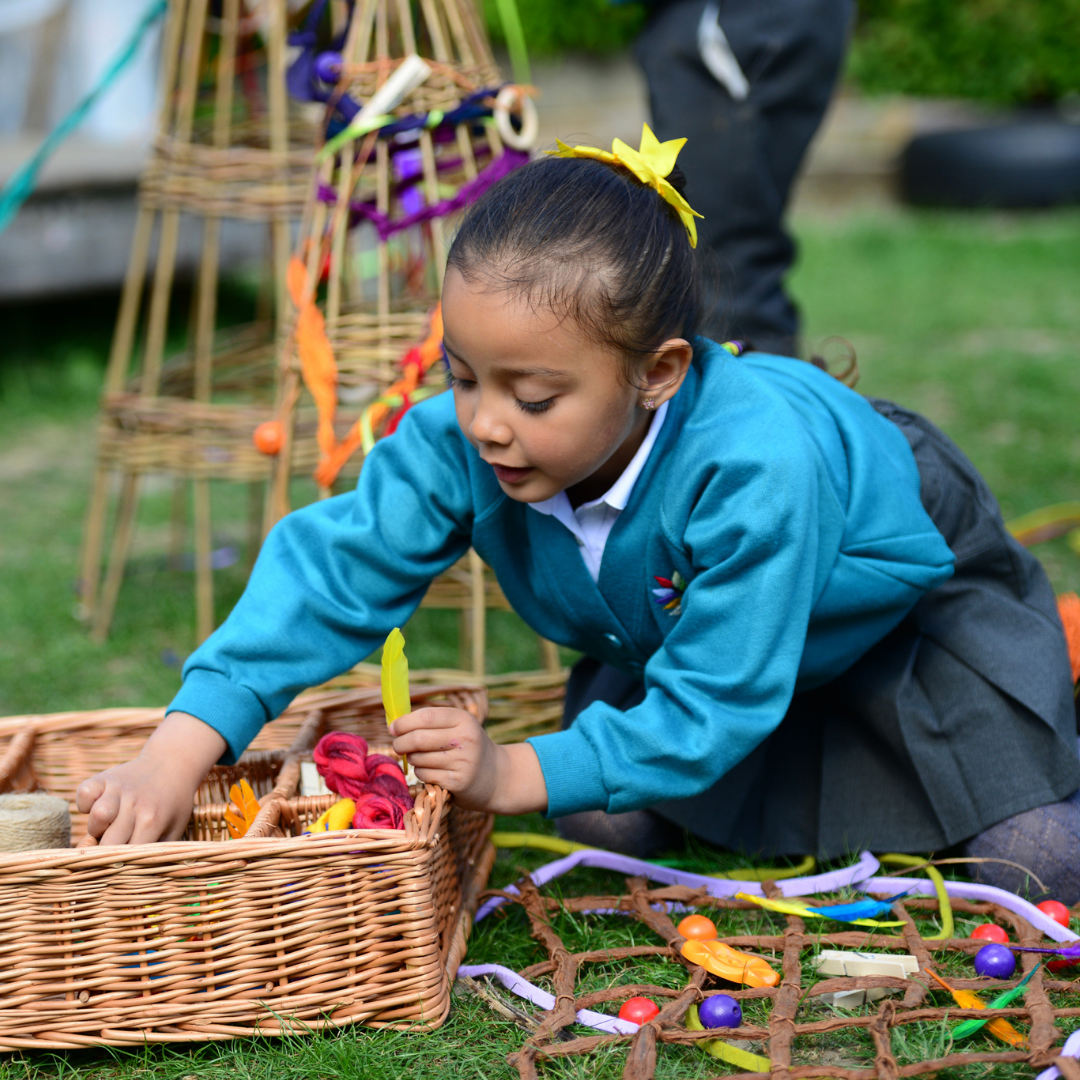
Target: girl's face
{"points": [[544, 405]]}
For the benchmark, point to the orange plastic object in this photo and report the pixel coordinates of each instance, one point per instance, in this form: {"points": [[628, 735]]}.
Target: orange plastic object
{"points": [[729, 963], [268, 437], [697, 928]]}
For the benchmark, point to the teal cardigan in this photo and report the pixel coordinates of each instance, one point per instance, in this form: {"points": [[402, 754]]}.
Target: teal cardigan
{"points": [[788, 505]]}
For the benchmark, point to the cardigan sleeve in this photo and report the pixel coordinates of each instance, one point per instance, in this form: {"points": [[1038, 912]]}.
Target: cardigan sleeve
{"points": [[335, 577], [725, 674]]}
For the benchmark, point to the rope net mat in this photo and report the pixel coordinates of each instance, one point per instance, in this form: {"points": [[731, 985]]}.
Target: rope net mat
{"points": [[906, 1034]]}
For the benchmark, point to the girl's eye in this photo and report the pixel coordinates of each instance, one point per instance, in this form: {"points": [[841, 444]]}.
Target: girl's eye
{"points": [[457, 384], [535, 406]]}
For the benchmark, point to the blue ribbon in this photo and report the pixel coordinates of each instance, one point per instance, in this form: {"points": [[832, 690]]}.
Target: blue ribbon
{"points": [[21, 185]]}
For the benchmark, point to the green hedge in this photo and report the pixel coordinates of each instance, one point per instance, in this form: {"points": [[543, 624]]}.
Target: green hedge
{"points": [[557, 26], [1006, 51]]}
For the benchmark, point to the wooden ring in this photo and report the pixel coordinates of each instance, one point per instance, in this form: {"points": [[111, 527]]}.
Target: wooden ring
{"points": [[505, 100]]}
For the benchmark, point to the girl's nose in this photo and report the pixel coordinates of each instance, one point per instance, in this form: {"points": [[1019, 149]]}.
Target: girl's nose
{"points": [[488, 427]]}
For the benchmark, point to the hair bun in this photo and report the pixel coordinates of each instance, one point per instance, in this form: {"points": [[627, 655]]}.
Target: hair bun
{"points": [[677, 179]]}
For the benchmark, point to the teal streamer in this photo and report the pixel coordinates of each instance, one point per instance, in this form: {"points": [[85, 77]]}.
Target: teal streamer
{"points": [[21, 185]]}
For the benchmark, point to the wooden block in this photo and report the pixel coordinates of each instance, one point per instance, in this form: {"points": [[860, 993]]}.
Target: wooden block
{"points": [[854, 964]]}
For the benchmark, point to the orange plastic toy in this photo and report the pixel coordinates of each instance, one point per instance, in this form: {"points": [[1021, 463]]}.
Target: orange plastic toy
{"points": [[698, 928], [729, 963]]}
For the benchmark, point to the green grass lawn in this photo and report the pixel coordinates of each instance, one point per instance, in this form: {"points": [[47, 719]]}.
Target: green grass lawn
{"points": [[973, 320]]}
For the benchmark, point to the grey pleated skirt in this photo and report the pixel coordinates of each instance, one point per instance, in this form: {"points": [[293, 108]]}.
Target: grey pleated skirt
{"points": [[961, 717]]}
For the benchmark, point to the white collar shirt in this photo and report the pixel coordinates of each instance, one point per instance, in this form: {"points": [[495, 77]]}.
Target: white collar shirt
{"points": [[591, 523]]}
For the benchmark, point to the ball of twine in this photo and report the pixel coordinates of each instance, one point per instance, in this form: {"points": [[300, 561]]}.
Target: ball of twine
{"points": [[29, 822]]}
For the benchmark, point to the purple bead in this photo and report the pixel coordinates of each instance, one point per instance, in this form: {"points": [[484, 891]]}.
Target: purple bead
{"points": [[995, 962], [326, 66], [720, 1010]]}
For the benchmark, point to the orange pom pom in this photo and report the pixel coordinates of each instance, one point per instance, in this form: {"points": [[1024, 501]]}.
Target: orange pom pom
{"points": [[268, 437], [697, 928]]}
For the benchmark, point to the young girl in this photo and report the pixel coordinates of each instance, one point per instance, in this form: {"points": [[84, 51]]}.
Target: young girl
{"points": [[847, 650]]}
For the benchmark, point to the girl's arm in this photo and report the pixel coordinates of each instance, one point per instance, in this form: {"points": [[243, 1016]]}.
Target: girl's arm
{"points": [[331, 581]]}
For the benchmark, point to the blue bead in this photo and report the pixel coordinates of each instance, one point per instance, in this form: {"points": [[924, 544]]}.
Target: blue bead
{"points": [[720, 1010], [995, 962], [327, 65]]}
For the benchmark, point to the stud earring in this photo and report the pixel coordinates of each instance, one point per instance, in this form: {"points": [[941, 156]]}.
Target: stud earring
{"points": [[648, 403]]}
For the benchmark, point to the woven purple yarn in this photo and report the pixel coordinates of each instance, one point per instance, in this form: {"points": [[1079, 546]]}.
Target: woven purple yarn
{"points": [[467, 194]]}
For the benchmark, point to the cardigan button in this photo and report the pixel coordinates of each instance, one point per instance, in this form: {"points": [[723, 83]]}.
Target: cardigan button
{"points": [[613, 641]]}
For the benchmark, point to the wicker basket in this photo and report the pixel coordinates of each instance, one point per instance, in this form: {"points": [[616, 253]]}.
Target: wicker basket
{"points": [[197, 940]]}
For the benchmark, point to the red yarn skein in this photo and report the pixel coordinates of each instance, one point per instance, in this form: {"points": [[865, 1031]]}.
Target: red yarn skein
{"points": [[377, 812], [394, 790], [341, 759]]}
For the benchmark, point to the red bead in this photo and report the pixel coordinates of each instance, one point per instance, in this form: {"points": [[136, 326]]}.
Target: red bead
{"points": [[639, 1010], [1056, 910], [990, 932]]}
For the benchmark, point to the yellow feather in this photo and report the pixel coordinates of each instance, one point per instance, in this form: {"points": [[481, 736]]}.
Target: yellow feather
{"points": [[395, 677]]}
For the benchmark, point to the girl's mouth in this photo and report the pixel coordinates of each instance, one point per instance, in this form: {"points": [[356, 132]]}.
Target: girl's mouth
{"points": [[511, 476]]}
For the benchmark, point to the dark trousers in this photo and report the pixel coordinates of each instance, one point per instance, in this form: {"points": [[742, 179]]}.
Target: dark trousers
{"points": [[742, 156]]}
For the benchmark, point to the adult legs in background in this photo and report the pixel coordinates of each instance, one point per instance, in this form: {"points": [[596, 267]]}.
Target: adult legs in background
{"points": [[742, 156]]}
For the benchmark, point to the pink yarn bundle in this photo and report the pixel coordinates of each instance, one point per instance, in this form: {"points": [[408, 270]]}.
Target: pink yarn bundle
{"points": [[374, 782]]}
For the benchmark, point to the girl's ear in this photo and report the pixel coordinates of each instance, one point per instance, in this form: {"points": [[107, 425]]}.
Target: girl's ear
{"points": [[665, 371]]}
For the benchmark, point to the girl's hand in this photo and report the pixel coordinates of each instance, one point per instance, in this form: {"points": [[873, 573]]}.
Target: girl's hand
{"points": [[450, 747], [150, 798]]}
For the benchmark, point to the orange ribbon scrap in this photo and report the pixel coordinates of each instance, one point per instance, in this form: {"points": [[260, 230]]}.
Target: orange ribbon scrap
{"points": [[320, 374]]}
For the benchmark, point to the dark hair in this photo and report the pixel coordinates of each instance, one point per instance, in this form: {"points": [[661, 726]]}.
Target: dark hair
{"points": [[590, 242]]}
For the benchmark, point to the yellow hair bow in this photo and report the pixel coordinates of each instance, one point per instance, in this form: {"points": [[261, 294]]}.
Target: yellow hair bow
{"points": [[650, 163]]}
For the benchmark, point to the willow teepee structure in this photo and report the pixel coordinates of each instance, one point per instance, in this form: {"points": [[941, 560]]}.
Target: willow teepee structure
{"points": [[228, 147], [419, 125]]}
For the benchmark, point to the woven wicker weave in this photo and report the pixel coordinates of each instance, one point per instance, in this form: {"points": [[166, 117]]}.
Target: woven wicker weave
{"points": [[197, 940]]}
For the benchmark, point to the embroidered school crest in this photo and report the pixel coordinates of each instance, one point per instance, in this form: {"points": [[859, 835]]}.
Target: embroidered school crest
{"points": [[669, 595]]}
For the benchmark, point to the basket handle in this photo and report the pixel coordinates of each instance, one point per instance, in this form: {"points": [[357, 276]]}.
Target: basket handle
{"points": [[288, 781], [267, 822]]}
